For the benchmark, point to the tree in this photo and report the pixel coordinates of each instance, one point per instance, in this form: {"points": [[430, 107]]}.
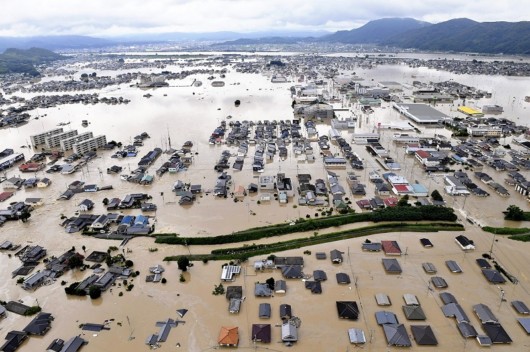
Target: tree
{"points": [[404, 201], [83, 248], [75, 261], [129, 263], [435, 195], [270, 282], [514, 213], [32, 310], [183, 263], [24, 216], [94, 292], [105, 201]]}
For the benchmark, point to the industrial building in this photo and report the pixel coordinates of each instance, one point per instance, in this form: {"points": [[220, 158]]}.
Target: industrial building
{"points": [[421, 113], [54, 141], [492, 109], [391, 85], [466, 110], [38, 139], [432, 96], [68, 143], [90, 144]]}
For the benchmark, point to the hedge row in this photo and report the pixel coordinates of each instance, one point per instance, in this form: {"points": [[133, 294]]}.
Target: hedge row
{"points": [[428, 212], [244, 252], [522, 238], [506, 230]]}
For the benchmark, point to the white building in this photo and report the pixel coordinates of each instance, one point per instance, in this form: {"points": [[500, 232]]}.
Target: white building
{"points": [[68, 143], [484, 131], [90, 144], [454, 187], [54, 141], [365, 138], [38, 139]]}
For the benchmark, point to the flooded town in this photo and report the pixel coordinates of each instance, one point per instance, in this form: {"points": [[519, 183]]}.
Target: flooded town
{"points": [[251, 200]]}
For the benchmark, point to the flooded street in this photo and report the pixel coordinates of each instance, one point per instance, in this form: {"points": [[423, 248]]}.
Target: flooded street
{"points": [[183, 112]]}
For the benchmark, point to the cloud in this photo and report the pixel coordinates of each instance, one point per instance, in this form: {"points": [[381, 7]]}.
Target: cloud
{"points": [[119, 17]]}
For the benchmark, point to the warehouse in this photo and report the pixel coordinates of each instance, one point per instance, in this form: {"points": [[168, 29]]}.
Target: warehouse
{"points": [[421, 113]]}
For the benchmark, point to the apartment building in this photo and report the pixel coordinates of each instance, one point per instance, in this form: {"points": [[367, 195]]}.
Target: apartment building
{"points": [[40, 138], [54, 141], [68, 143], [90, 144]]}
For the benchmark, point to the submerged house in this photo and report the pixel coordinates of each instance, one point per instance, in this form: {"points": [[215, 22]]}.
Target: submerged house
{"points": [[391, 266], [280, 286], [261, 333], [423, 335], [347, 310], [228, 336], [262, 290], [264, 310], [396, 335], [285, 311], [336, 256], [289, 332], [292, 272], [39, 325]]}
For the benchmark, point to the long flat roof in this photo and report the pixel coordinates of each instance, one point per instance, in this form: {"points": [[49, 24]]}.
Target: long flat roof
{"points": [[421, 113], [469, 111]]}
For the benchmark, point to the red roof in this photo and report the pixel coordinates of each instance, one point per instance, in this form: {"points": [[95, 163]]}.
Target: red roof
{"points": [[391, 247], [228, 336], [402, 188], [31, 167], [364, 203], [423, 154], [5, 196], [390, 202]]}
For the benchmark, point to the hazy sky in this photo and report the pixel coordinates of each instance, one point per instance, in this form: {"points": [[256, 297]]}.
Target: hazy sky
{"points": [[118, 17]]}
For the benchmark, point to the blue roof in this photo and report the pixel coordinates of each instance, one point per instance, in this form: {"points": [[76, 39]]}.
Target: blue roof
{"points": [[140, 219], [128, 219], [419, 188]]}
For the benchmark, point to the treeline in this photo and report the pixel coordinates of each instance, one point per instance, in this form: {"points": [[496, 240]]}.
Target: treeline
{"points": [[393, 214]]}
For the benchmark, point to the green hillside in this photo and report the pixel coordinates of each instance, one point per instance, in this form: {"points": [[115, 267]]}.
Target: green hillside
{"points": [[24, 61]]}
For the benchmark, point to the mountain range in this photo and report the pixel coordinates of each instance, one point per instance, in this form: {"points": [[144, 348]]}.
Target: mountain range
{"points": [[465, 35], [459, 35]]}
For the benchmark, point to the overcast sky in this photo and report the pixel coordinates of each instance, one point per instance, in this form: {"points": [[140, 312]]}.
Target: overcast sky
{"points": [[121, 17]]}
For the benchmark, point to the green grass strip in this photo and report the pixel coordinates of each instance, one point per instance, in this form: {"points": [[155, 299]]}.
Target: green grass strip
{"points": [[506, 230]]}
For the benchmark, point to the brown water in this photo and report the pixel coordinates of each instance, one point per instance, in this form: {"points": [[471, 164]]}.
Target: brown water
{"points": [[185, 116]]}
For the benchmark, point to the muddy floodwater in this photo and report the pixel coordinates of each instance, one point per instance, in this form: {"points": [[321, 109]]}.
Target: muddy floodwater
{"points": [[183, 112]]}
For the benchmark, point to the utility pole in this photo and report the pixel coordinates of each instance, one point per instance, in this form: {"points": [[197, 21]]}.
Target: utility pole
{"points": [[493, 241]]}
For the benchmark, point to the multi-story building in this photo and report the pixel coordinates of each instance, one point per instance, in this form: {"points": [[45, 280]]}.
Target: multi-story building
{"points": [[54, 141], [484, 131], [492, 109], [68, 143], [90, 144], [38, 139]]}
